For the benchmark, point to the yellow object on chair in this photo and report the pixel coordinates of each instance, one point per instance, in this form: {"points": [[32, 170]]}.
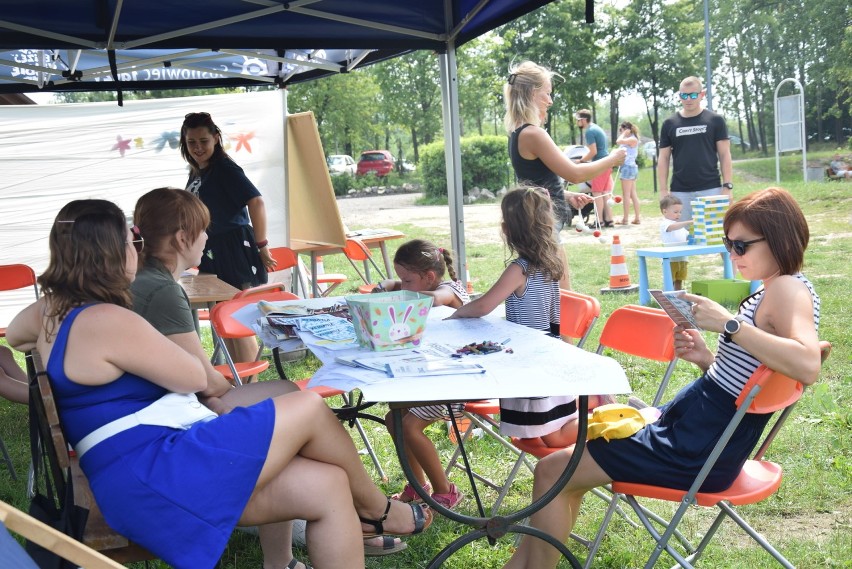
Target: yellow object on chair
{"points": [[614, 421]]}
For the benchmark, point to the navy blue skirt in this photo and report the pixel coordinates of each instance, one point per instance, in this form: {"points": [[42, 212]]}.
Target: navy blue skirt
{"points": [[233, 257], [671, 451]]}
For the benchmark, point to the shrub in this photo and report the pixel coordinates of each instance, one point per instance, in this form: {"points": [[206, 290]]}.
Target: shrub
{"points": [[342, 183], [484, 164]]}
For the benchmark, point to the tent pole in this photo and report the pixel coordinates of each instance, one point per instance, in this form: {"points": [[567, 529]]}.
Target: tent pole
{"points": [[452, 152], [284, 92]]}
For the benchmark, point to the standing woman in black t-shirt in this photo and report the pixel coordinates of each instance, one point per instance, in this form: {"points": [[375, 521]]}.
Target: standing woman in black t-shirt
{"points": [[237, 252], [536, 159]]}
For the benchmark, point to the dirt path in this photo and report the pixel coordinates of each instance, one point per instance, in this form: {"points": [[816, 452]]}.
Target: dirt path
{"points": [[482, 221]]}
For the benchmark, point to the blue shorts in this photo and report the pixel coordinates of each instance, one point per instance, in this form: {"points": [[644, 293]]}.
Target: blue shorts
{"points": [[628, 172]]}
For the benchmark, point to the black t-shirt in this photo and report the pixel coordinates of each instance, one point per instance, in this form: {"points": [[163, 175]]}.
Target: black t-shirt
{"points": [[695, 164], [225, 190]]}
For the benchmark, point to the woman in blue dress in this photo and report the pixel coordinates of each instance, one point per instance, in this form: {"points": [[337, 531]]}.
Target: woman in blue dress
{"points": [[766, 234], [167, 473]]}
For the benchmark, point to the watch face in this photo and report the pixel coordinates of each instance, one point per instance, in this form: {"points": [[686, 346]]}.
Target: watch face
{"points": [[732, 326]]}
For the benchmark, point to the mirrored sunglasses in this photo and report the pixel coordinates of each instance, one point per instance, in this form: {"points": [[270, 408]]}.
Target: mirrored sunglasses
{"points": [[739, 247], [686, 96]]}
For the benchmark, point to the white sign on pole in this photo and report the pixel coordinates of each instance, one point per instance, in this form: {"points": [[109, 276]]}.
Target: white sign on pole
{"points": [[790, 126]]}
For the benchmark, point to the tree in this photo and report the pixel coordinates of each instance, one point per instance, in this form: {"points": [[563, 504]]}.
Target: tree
{"points": [[410, 96]]}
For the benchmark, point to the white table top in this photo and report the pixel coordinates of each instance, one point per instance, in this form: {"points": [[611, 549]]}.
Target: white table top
{"points": [[539, 365]]}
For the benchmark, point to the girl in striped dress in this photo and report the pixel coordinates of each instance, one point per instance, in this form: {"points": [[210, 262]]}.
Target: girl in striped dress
{"points": [[530, 287]]}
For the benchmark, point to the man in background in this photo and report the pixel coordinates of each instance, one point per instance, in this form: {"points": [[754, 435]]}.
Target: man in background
{"points": [[695, 141], [595, 141]]}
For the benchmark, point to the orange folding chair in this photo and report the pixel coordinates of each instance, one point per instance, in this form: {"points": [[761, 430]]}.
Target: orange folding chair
{"points": [[765, 392], [643, 332], [15, 277], [288, 259], [355, 250], [578, 313]]}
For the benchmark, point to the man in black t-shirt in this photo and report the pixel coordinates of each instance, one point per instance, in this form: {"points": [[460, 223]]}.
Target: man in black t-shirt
{"points": [[696, 141]]}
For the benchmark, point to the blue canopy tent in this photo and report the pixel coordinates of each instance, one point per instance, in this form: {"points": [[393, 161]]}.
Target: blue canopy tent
{"points": [[115, 45]]}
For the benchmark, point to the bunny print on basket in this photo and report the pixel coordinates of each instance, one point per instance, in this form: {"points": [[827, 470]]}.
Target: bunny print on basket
{"points": [[399, 330]]}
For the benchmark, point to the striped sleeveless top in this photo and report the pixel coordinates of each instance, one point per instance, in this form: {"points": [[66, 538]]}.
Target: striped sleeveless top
{"points": [[733, 365], [538, 307]]}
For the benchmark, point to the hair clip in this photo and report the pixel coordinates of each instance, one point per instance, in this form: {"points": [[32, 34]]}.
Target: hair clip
{"points": [[512, 78], [64, 221]]}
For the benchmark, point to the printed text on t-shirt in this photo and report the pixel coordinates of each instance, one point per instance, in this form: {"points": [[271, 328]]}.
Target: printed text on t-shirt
{"points": [[687, 130]]}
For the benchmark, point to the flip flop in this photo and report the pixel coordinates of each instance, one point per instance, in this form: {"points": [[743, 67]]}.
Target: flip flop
{"points": [[389, 546], [294, 562]]}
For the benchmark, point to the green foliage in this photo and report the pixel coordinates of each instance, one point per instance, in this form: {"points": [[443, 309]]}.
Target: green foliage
{"points": [[484, 165]]}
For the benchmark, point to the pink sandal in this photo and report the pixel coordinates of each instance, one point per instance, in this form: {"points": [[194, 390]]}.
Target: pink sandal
{"points": [[451, 499], [408, 494]]}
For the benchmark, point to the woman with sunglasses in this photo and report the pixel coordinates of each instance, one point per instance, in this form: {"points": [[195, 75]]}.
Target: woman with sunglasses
{"points": [[767, 234], [695, 141], [236, 251], [536, 159], [165, 472]]}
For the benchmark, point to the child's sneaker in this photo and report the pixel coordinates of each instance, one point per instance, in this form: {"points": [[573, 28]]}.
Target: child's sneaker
{"points": [[451, 499], [408, 495]]}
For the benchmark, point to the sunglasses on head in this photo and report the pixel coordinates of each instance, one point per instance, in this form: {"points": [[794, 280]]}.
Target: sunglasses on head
{"points": [[193, 115], [739, 247], [686, 96], [138, 242]]}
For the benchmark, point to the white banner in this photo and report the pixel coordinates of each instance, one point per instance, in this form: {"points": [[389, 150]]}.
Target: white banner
{"points": [[52, 154]]}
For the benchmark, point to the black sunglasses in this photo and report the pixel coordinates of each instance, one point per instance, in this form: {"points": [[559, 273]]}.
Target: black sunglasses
{"points": [[739, 247], [138, 243], [686, 96]]}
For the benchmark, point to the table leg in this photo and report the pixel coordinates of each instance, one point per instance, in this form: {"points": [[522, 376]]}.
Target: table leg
{"points": [[314, 285], [388, 269], [217, 358], [668, 283], [644, 295], [495, 527], [729, 266]]}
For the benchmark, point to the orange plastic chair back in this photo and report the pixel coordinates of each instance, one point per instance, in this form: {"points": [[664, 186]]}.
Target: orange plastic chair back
{"points": [[261, 289], [17, 276], [222, 315], [356, 250], [577, 314], [777, 391], [640, 331], [284, 256]]}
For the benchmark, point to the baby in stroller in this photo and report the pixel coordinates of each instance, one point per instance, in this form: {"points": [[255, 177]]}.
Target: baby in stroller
{"points": [[575, 153]]}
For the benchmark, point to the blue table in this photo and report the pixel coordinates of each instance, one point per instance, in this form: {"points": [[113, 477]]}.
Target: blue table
{"points": [[666, 254]]}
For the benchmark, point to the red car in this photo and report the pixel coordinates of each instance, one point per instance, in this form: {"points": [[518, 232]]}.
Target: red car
{"points": [[380, 162]]}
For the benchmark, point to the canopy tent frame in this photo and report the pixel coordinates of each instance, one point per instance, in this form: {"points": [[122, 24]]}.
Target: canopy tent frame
{"points": [[285, 39]]}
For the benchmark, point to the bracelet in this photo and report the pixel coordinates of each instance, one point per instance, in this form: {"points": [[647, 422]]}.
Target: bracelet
{"points": [[262, 244]]}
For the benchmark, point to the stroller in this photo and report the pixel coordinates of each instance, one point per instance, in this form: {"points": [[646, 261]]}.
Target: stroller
{"points": [[575, 153]]}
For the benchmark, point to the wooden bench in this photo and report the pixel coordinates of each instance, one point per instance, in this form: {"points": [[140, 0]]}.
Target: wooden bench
{"points": [[64, 467]]}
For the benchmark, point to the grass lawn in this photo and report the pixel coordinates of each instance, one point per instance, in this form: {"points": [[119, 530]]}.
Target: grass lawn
{"points": [[809, 519]]}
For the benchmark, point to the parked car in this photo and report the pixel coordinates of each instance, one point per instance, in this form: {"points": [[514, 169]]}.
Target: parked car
{"points": [[341, 164], [379, 162], [650, 149], [737, 141], [408, 167]]}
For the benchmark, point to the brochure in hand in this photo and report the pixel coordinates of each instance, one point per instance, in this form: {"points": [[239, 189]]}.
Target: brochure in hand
{"points": [[678, 309]]}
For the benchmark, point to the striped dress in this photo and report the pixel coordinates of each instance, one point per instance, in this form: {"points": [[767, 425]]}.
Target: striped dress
{"points": [[537, 307]]}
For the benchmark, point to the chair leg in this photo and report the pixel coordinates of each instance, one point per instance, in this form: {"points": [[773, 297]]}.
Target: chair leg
{"points": [[8, 461], [347, 399]]}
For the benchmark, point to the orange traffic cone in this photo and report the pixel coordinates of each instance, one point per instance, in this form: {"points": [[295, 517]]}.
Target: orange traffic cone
{"points": [[619, 280], [467, 277]]}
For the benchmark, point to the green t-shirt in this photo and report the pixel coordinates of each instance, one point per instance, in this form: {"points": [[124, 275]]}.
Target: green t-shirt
{"points": [[161, 301]]}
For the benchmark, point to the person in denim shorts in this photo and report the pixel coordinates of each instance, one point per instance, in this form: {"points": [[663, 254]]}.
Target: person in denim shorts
{"points": [[628, 139]]}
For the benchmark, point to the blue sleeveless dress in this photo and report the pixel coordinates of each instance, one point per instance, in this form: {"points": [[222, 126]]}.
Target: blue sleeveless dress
{"points": [[177, 493]]}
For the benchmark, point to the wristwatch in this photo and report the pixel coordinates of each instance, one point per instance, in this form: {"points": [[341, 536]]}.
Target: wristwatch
{"points": [[733, 326], [728, 186]]}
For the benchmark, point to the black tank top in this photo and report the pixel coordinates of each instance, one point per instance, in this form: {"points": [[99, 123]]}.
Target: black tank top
{"points": [[533, 172]]}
